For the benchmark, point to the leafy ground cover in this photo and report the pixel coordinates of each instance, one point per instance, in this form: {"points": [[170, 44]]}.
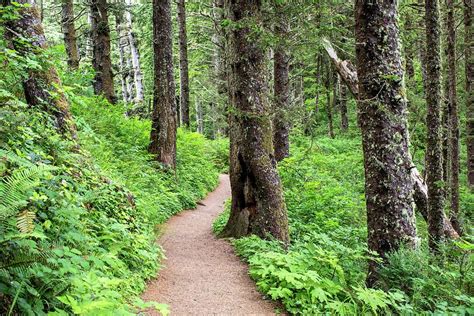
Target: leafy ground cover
{"points": [[324, 269], [77, 225]]}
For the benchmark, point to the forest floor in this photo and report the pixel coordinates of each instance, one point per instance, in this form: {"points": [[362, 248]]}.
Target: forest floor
{"points": [[201, 274]]}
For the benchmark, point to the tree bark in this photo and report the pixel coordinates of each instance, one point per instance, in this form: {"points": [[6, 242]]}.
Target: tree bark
{"points": [[258, 206], [420, 191], [281, 70], [330, 104], [42, 87], [69, 31], [163, 130], [343, 107], [453, 117], [383, 120], [101, 60], [183, 63], [199, 119], [434, 167], [123, 57], [469, 70], [135, 56]]}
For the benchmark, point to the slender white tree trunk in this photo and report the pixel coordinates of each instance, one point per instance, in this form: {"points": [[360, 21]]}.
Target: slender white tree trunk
{"points": [[137, 72], [124, 57]]}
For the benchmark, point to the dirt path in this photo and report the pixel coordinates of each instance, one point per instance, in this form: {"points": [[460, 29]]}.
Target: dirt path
{"points": [[202, 275]]}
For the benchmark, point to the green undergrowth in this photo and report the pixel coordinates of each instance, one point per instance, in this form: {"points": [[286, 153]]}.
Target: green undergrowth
{"points": [[78, 224], [324, 269]]}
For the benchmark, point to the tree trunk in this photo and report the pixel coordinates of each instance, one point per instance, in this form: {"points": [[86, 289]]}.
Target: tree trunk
{"points": [[183, 63], [434, 167], [383, 120], [135, 60], [420, 191], [408, 49], [453, 117], [163, 130], [281, 69], [258, 206], [122, 48], [69, 32], [330, 105], [42, 87], [343, 107], [103, 80], [469, 65], [199, 119]]}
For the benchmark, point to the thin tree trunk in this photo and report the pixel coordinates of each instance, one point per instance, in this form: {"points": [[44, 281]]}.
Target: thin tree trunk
{"points": [[453, 117], [183, 63], [409, 68], [319, 67], [101, 60], [383, 120], [42, 87], [422, 49], [135, 60], [343, 107], [469, 69], [330, 105], [124, 69], [434, 167], [69, 32], [163, 130], [281, 90], [258, 206], [199, 120]]}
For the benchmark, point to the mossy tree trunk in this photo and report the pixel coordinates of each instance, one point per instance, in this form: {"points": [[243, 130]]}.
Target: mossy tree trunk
{"points": [[453, 116], [183, 64], [469, 70], [383, 119], [42, 88], [258, 206], [163, 129], [103, 82], [69, 31], [434, 154], [281, 89]]}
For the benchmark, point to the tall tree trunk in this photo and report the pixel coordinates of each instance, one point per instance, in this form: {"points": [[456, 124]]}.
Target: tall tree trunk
{"points": [[383, 120], [183, 63], [434, 167], [42, 87], [101, 60], [199, 118], [135, 60], [422, 48], [453, 117], [163, 129], [469, 65], [258, 206], [69, 31], [408, 50], [343, 107], [122, 48], [420, 192], [281, 90], [330, 105]]}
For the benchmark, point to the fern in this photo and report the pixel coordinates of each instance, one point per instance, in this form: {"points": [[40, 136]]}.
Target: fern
{"points": [[15, 189], [25, 221]]}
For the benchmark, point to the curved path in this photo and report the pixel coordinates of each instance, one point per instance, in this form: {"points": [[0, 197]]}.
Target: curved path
{"points": [[202, 275]]}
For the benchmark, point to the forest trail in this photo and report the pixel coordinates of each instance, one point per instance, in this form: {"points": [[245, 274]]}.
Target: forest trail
{"points": [[201, 274]]}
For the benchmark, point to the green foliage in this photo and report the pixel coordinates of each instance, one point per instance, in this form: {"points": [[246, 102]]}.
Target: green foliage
{"points": [[77, 225], [324, 269], [219, 223]]}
